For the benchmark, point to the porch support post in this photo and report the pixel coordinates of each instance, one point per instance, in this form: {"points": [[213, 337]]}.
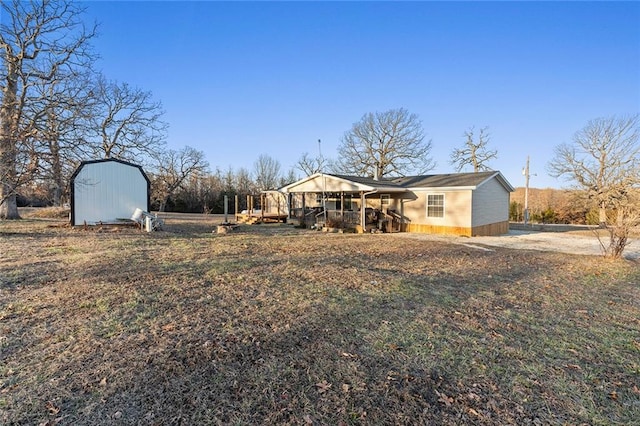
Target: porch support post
{"points": [[363, 216], [342, 207], [303, 218]]}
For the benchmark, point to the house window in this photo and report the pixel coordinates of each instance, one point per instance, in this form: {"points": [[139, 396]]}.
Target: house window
{"points": [[347, 202], [384, 200], [338, 200], [435, 205]]}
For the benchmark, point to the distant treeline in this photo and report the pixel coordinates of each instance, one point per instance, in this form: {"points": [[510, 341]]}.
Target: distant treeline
{"points": [[554, 206], [200, 193], [205, 193]]}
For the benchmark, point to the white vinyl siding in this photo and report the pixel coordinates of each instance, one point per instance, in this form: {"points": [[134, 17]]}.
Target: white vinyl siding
{"points": [[490, 203]]}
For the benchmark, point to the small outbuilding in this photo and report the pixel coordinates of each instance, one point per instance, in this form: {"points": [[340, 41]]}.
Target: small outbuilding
{"points": [[107, 191]]}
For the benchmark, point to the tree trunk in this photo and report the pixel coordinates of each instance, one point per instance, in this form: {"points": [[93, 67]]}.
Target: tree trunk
{"points": [[56, 164], [8, 199], [602, 219], [9, 208], [163, 204], [58, 182], [8, 127]]}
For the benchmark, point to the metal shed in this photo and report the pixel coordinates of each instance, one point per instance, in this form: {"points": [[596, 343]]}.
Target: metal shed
{"points": [[104, 191]]}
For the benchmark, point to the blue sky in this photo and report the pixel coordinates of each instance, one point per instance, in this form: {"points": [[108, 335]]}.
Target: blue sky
{"points": [[240, 79]]}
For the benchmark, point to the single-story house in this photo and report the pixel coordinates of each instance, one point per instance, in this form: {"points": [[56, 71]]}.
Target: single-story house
{"points": [[470, 204], [107, 191]]}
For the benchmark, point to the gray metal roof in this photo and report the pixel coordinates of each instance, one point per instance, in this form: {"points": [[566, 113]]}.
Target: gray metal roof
{"points": [[449, 180], [401, 184], [444, 180], [369, 181]]}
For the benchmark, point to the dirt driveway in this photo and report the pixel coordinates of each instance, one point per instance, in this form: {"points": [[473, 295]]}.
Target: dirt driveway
{"points": [[563, 242]]}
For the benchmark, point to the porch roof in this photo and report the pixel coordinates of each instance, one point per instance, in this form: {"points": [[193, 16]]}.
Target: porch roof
{"points": [[324, 182]]}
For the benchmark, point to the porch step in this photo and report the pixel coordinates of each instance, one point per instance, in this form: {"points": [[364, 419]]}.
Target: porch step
{"points": [[248, 220]]}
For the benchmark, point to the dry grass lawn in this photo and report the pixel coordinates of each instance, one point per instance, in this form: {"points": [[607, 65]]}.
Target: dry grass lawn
{"points": [[274, 325]]}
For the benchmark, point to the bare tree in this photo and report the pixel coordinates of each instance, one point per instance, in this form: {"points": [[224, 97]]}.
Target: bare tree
{"points": [[604, 160], [385, 143], [310, 165], [266, 170], [228, 178], [38, 39], [243, 182], [59, 110], [474, 154], [290, 177], [127, 122], [174, 168], [627, 219]]}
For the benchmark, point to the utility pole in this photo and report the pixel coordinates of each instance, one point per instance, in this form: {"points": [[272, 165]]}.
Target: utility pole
{"points": [[526, 174]]}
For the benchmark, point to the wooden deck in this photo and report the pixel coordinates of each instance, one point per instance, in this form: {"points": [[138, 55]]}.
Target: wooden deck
{"points": [[252, 219]]}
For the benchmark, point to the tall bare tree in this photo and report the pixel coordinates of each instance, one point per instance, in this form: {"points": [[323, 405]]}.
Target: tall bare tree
{"points": [[267, 172], [385, 143], [37, 40], [61, 110], [243, 182], [288, 178], [127, 122], [604, 161], [474, 154], [173, 170], [229, 180], [310, 165]]}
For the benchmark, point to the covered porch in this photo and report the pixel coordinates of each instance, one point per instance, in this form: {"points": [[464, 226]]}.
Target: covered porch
{"points": [[325, 201]]}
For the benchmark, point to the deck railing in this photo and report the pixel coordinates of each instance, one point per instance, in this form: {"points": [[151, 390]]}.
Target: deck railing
{"points": [[343, 218], [348, 219]]}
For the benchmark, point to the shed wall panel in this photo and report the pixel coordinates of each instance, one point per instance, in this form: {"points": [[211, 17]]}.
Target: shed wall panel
{"points": [[107, 191]]}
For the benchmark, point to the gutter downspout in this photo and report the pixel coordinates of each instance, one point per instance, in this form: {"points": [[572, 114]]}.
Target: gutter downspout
{"points": [[324, 198]]}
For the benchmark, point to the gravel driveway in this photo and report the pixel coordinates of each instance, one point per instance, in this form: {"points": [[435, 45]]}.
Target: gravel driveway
{"points": [[563, 242]]}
